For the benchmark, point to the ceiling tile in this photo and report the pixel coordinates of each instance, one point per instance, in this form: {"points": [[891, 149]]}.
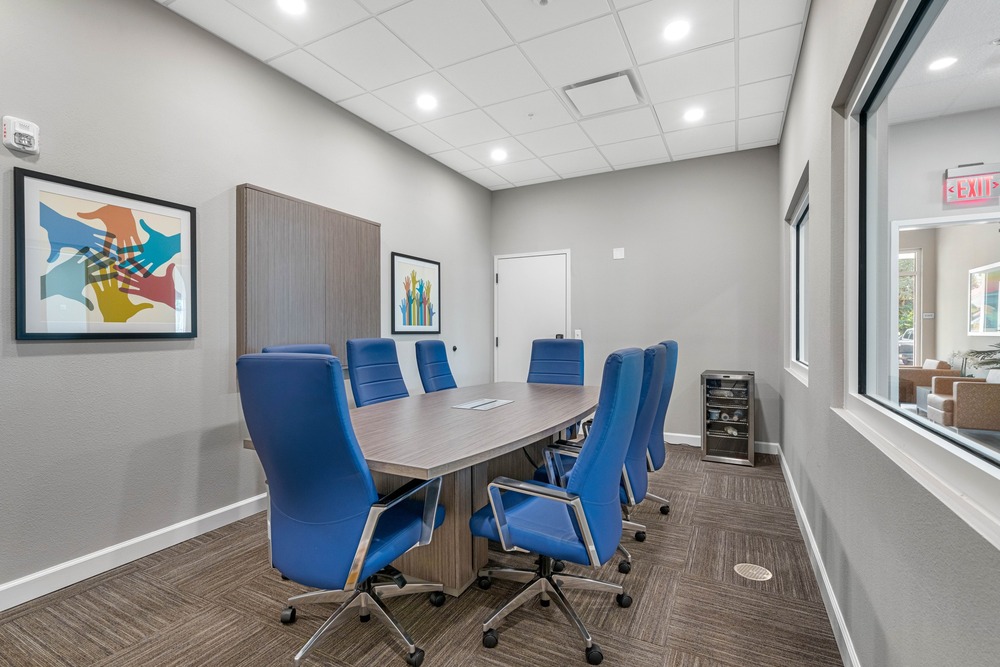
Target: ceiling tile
{"points": [[556, 140], [525, 19], [445, 32], [761, 128], [527, 170], [711, 22], [369, 55], [572, 163], [649, 149], [714, 151], [924, 100], [308, 70], [422, 139], [691, 74], [699, 139], [485, 177], [403, 97], [769, 55], [233, 25], [622, 4], [644, 163], [757, 99], [719, 106], [758, 16], [579, 53], [320, 19], [756, 144], [604, 96], [465, 129], [622, 126], [376, 112], [536, 181], [534, 112], [495, 77], [457, 160], [982, 92], [376, 6], [515, 151]]}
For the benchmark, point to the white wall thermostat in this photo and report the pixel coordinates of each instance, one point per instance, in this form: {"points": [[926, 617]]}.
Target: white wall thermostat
{"points": [[20, 135]]}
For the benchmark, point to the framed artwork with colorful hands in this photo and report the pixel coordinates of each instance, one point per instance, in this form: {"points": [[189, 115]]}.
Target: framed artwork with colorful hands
{"points": [[415, 295], [92, 262]]}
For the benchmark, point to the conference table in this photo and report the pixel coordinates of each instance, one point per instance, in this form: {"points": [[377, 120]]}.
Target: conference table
{"points": [[425, 436]]}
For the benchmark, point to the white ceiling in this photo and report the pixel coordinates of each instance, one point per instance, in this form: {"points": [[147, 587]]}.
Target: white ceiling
{"points": [[500, 69]]}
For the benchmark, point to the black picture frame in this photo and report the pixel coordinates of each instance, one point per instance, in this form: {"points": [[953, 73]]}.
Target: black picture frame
{"points": [[413, 310]]}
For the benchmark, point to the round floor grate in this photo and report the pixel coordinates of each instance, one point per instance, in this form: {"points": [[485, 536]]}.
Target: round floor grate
{"points": [[754, 572]]}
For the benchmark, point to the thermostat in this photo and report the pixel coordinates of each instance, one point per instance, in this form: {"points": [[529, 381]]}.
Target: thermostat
{"points": [[20, 135]]}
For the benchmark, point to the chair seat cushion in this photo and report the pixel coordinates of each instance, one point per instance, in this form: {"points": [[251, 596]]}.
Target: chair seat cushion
{"points": [[397, 531], [539, 525]]}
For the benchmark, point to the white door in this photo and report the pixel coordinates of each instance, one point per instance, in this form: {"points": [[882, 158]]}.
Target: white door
{"points": [[532, 301]]}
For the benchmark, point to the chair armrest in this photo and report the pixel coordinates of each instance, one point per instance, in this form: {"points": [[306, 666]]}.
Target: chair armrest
{"points": [[386, 503], [500, 484], [553, 460], [946, 384], [977, 405]]}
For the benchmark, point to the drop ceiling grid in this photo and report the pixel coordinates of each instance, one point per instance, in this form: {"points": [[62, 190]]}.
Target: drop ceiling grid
{"points": [[433, 133]]}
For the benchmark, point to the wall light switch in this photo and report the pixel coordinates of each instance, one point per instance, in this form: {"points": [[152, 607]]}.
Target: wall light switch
{"points": [[618, 253], [578, 334]]}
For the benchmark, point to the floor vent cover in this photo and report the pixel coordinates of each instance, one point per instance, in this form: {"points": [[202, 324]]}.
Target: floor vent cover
{"points": [[753, 572]]}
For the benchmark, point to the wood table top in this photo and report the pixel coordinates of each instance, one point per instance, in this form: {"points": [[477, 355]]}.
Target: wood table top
{"points": [[423, 436]]}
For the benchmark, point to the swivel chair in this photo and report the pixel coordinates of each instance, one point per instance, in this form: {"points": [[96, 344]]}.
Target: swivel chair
{"points": [[657, 452], [556, 361], [328, 527], [303, 348], [581, 524], [432, 363], [374, 370]]}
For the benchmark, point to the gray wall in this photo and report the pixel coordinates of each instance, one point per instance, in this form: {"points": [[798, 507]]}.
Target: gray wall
{"points": [[917, 586], [105, 441], [701, 266]]}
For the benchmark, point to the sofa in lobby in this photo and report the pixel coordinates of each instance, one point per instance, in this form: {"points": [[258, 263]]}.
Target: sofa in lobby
{"points": [[911, 378], [966, 402]]}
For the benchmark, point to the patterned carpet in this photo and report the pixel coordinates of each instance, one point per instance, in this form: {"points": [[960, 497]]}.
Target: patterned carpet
{"points": [[214, 600]]}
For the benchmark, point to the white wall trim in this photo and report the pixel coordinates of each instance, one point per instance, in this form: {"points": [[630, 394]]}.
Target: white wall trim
{"points": [[840, 630], [759, 446], [29, 587]]}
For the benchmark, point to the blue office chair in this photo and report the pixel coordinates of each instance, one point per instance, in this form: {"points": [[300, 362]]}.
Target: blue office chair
{"points": [[303, 348], [581, 523], [328, 527], [657, 451], [432, 362], [556, 361], [374, 370]]}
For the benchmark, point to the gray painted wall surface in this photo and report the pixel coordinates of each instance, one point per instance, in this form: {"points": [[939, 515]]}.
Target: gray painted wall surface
{"points": [[916, 585], [702, 266], [105, 441]]}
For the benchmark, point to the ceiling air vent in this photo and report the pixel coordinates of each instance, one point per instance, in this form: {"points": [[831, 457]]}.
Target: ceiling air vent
{"points": [[607, 93]]}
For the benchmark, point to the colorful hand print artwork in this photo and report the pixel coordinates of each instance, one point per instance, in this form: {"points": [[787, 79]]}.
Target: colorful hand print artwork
{"points": [[416, 295], [98, 263]]}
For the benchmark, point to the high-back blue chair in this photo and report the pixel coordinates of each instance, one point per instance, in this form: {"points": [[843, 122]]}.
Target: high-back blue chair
{"points": [[302, 348], [329, 529], [432, 363], [581, 523], [556, 361], [657, 451], [374, 370]]}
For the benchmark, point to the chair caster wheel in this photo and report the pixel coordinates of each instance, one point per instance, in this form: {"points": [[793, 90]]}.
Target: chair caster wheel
{"points": [[640, 536], [624, 600], [364, 618], [436, 598], [545, 603], [491, 639], [594, 655], [558, 566], [484, 583], [416, 658], [288, 615], [664, 509], [624, 567]]}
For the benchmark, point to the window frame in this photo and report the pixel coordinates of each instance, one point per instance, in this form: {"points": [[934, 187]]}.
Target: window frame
{"points": [[800, 234]]}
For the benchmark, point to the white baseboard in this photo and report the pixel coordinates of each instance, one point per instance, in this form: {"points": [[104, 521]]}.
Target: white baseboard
{"points": [[29, 587], [840, 631], [695, 441]]}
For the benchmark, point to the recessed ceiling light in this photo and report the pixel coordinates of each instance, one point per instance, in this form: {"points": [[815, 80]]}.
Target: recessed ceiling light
{"points": [[676, 30], [694, 114], [498, 154], [942, 63], [295, 7], [427, 102]]}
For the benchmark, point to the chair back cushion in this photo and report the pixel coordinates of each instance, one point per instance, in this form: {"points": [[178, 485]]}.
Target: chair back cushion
{"points": [[374, 370], [432, 362], [654, 365], [596, 476], [657, 450], [993, 377], [556, 361], [306, 348], [936, 364], [319, 485]]}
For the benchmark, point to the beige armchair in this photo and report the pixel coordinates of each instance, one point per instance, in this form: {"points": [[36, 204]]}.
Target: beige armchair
{"points": [[966, 402], [911, 378]]}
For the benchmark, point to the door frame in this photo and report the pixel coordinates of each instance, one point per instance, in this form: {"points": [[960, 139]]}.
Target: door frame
{"points": [[496, 314]]}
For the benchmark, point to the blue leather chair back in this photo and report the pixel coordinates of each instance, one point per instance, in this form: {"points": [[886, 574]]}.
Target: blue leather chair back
{"points": [[320, 487], [432, 362], [653, 367], [596, 476], [374, 369], [306, 348], [556, 361], [657, 451]]}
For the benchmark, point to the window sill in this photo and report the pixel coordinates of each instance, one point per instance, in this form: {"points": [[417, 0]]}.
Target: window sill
{"points": [[798, 371], [965, 483]]}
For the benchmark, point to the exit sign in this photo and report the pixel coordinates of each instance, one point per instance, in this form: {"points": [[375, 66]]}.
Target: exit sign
{"points": [[974, 183]]}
